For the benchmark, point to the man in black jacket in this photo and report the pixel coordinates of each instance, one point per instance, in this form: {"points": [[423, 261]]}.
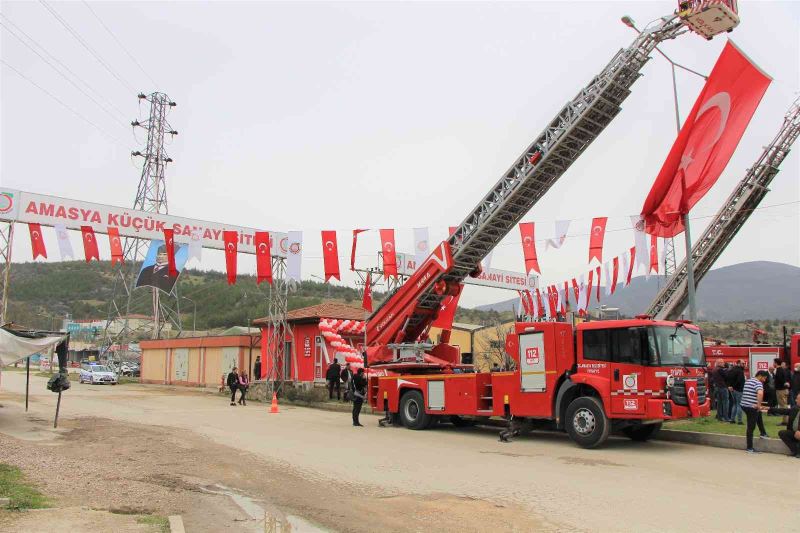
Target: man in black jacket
{"points": [[782, 386], [735, 381], [720, 391], [347, 378], [233, 383], [791, 435], [359, 393], [332, 376]]}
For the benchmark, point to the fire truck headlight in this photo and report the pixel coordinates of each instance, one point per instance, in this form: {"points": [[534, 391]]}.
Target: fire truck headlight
{"points": [[670, 380]]}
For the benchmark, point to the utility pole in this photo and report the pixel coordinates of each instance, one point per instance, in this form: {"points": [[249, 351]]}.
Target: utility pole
{"points": [[151, 196]]}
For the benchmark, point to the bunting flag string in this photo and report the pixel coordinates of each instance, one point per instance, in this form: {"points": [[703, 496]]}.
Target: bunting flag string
{"points": [[632, 260], [614, 275], [353, 249], [653, 268]]}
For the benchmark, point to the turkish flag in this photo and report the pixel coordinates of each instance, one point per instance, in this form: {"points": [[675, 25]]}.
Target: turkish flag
{"points": [[706, 141], [691, 396], [89, 244], [653, 254], [389, 256], [169, 242], [366, 301], [577, 290], [231, 246], [630, 266], [589, 290], [330, 255], [524, 302], [596, 238], [529, 248], [37, 242], [353, 249], [597, 274], [531, 305], [615, 275], [115, 244], [552, 300], [447, 312], [263, 257]]}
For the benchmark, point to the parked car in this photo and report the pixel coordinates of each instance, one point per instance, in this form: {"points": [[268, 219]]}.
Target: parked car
{"points": [[97, 374], [129, 368]]}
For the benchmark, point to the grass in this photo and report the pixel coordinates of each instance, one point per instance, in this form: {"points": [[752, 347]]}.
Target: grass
{"points": [[159, 522], [22, 495], [712, 425]]}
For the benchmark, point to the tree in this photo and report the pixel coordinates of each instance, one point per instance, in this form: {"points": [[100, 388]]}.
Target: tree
{"points": [[492, 348]]}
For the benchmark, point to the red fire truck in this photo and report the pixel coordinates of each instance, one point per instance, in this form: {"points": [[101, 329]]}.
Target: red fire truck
{"points": [[757, 356], [626, 375]]}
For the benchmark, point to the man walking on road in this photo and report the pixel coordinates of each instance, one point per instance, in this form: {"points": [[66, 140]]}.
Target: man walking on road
{"points": [[332, 375], [782, 385], [233, 384], [359, 389], [735, 380], [791, 435], [720, 391], [752, 397]]}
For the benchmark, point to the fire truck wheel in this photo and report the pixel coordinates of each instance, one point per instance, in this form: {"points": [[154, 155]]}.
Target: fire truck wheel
{"points": [[641, 433], [587, 424], [412, 411]]}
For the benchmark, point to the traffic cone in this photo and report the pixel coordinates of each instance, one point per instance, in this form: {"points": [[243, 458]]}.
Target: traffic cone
{"points": [[274, 407]]}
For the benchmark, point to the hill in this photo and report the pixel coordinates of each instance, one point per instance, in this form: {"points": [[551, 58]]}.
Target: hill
{"points": [[43, 293], [755, 290]]}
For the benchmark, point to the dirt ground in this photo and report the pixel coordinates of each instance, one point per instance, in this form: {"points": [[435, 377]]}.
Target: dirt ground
{"points": [[142, 449]]}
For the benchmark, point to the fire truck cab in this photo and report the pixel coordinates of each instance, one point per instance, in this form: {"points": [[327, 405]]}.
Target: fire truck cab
{"points": [[625, 375]]}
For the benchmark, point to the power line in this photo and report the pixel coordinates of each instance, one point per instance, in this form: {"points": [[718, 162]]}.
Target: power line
{"points": [[64, 66], [106, 111], [88, 48], [111, 33], [65, 106]]}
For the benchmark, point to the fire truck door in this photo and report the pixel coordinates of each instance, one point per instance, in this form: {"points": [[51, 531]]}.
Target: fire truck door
{"points": [[531, 362], [761, 360]]}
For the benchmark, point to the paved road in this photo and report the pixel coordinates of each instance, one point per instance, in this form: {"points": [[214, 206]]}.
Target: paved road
{"points": [[625, 486]]}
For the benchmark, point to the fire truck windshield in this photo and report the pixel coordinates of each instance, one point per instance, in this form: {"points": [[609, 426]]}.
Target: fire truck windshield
{"points": [[677, 346]]}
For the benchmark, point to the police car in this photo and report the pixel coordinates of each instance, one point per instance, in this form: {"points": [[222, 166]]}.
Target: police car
{"points": [[97, 374]]}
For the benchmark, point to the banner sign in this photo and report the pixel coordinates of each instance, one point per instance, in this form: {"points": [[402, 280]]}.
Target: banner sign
{"points": [[21, 206], [493, 277]]}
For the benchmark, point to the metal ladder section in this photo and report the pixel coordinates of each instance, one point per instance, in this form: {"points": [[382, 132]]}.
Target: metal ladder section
{"points": [[670, 301], [542, 164]]}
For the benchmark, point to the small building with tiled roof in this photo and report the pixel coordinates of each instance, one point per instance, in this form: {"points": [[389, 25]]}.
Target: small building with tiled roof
{"points": [[309, 349]]}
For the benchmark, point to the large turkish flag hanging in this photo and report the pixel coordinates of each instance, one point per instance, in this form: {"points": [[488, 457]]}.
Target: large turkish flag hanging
{"points": [[447, 312], [389, 256], [526, 230], [263, 257], [706, 141], [231, 247], [330, 255]]}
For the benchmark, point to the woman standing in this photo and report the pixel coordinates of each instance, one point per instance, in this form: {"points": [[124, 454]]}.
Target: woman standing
{"points": [[244, 383]]}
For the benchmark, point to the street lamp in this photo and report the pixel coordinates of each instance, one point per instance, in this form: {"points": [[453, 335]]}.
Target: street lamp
{"points": [[194, 314]]}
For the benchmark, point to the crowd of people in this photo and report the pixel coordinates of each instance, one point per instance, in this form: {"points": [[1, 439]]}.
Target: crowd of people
{"points": [[775, 391]]}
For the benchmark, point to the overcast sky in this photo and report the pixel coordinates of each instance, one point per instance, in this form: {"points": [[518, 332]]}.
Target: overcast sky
{"points": [[310, 116]]}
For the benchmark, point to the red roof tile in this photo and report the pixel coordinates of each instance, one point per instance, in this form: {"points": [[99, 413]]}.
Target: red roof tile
{"points": [[323, 310]]}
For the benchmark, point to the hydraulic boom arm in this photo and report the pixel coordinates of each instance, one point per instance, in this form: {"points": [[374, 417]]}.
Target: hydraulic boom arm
{"points": [[408, 312], [670, 301]]}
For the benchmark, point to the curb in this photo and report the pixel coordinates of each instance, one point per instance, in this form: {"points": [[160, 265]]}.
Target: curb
{"points": [[718, 440], [176, 524]]}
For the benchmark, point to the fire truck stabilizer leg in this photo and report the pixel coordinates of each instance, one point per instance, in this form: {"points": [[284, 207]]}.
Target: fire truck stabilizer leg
{"points": [[387, 420], [512, 430]]}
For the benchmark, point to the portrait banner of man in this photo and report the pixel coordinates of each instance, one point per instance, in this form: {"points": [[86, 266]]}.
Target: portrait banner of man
{"points": [[155, 268]]}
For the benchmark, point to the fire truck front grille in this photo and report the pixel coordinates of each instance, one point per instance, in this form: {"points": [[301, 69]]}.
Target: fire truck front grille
{"points": [[679, 391]]}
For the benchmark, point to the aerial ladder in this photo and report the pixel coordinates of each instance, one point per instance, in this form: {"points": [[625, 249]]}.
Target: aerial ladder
{"points": [[671, 300], [397, 329]]}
